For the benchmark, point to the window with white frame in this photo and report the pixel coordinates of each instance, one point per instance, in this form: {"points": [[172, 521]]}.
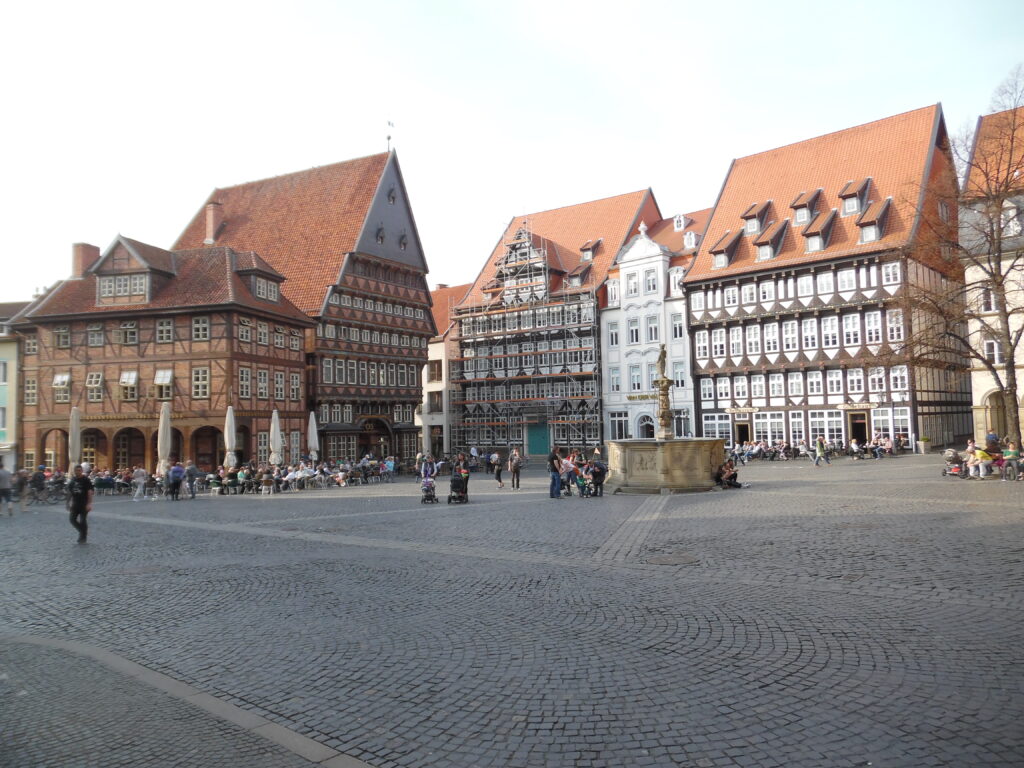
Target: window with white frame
{"points": [[891, 273], [62, 337], [678, 327], [855, 381], [718, 342], [813, 383], [730, 296], [988, 301], [295, 388], [635, 382], [697, 301], [652, 375], [901, 421], [771, 338], [748, 293], [736, 341], [327, 374], [739, 387], [869, 233], [262, 383], [769, 427], [815, 243], [827, 425], [200, 329], [614, 380], [805, 285], [876, 379], [767, 289], [872, 327], [894, 324], [724, 388], [830, 332], [993, 351], [165, 331], [200, 383], [753, 339], [851, 330], [809, 328], [707, 389], [633, 328], [834, 382], [650, 281], [757, 386], [613, 334], [898, 378], [775, 385], [700, 343], [679, 374], [653, 328], [94, 334], [279, 385], [826, 283], [632, 284], [718, 426], [790, 336], [262, 447], [94, 386], [618, 421], [263, 333], [31, 390], [613, 292], [796, 428], [848, 280], [336, 412], [244, 383], [795, 383]]}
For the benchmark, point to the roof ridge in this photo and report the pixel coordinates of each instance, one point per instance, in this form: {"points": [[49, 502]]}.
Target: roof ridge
{"points": [[577, 205], [305, 170]]}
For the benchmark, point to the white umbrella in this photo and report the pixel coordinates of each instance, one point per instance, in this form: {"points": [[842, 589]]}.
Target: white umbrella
{"points": [[163, 441], [74, 438], [312, 439], [276, 443], [231, 460]]}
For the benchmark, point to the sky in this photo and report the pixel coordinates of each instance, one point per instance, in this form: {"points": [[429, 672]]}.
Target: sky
{"points": [[122, 117]]}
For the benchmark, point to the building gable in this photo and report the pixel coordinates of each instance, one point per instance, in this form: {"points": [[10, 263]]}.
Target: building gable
{"points": [[389, 229]]}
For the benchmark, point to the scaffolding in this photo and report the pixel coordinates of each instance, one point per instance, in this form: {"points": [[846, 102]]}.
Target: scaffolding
{"points": [[527, 368]]}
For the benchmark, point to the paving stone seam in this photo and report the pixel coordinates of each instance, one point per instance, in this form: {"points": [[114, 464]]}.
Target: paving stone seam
{"points": [[633, 531], [303, 746]]}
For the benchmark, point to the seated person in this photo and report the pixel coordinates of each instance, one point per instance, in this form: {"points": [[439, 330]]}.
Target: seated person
{"points": [[727, 477]]}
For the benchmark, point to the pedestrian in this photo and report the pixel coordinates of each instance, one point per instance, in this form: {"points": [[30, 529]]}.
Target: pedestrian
{"points": [[191, 476], [21, 486], [496, 461], [515, 464], [175, 476], [139, 478], [5, 489], [598, 472], [821, 452], [80, 489], [555, 468]]}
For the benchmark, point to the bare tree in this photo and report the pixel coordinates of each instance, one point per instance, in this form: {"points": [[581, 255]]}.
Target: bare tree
{"points": [[969, 314]]}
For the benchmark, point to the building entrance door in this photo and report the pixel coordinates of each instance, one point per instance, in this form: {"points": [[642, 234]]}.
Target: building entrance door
{"points": [[742, 434], [858, 426], [537, 443]]}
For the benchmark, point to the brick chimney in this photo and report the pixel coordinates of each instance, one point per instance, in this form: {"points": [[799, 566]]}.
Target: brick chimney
{"points": [[440, 286], [214, 222], [83, 256]]}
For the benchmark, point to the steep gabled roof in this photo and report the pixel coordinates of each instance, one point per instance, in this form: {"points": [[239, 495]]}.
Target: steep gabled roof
{"points": [[444, 299], [9, 309], [888, 158], [996, 167], [614, 220], [303, 224]]}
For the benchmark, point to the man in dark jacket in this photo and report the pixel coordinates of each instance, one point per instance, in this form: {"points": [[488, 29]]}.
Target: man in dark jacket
{"points": [[80, 490]]}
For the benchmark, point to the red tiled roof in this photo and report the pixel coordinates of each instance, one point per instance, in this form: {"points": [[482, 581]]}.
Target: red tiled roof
{"points": [[664, 232], [996, 166], [614, 219], [444, 301], [205, 277], [894, 152], [157, 258], [10, 308], [302, 223]]}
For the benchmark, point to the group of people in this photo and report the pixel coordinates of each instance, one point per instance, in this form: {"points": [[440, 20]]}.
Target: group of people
{"points": [[427, 467], [575, 470], [999, 458]]}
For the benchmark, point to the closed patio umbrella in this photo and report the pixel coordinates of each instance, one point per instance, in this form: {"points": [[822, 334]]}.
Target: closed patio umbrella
{"points": [[163, 440], [276, 442], [74, 438], [230, 460], [312, 438]]}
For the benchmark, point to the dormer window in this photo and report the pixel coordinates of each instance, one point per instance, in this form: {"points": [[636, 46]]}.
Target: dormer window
{"points": [[752, 227], [267, 289], [818, 231], [690, 240], [764, 252], [854, 196], [815, 243], [803, 206], [872, 221], [1010, 219], [802, 215], [588, 249], [392, 196], [721, 260], [722, 251], [380, 235], [403, 242], [753, 218], [770, 242], [679, 223]]}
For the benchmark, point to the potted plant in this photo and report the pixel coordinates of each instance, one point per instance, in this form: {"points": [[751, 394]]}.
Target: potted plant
{"points": [[922, 444]]}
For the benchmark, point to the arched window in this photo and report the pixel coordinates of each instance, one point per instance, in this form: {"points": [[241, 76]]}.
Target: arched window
{"points": [[645, 427]]}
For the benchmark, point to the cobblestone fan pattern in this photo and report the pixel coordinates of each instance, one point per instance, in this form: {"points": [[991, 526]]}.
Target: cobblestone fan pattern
{"points": [[867, 612], [63, 711]]}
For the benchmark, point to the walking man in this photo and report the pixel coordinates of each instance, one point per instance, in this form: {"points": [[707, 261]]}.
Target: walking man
{"points": [[821, 452], [80, 488], [191, 475], [555, 468], [139, 478], [5, 489], [515, 464]]}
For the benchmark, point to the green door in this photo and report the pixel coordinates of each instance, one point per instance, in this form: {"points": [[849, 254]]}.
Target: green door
{"points": [[537, 440]]}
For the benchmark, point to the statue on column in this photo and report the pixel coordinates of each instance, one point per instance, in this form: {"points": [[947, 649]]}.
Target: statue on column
{"points": [[664, 384]]}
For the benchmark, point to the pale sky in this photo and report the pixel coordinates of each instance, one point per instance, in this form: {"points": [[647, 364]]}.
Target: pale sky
{"points": [[122, 117]]}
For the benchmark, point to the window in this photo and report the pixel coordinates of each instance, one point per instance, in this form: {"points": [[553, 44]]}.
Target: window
{"points": [[827, 425], [796, 427], [129, 385], [869, 233], [62, 337], [873, 327], [815, 243], [775, 385], [739, 387], [898, 378], [106, 287], [810, 333], [279, 385], [31, 345], [724, 387], [95, 335], [697, 301], [813, 383], [613, 292], [802, 215], [748, 293], [848, 280], [650, 281], [262, 383], [718, 342], [613, 334], [700, 342], [805, 285], [327, 371], [652, 375], [721, 260], [138, 285], [851, 205], [891, 273], [263, 333], [826, 283], [876, 379], [707, 389], [200, 383], [757, 386], [790, 336], [679, 374], [834, 381], [753, 226], [736, 341], [165, 331], [769, 427], [765, 252], [31, 391], [753, 340], [279, 339], [771, 338], [830, 332], [200, 329], [614, 380], [718, 425], [855, 381], [164, 382], [94, 386], [619, 423], [851, 330], [993, 351], [632, 284], [635, 383], [731, 296], [894, 323], [122, 285], [767, 290], [988, 302], [129, 332], [244, 383], [943, 207], [295, 342], [633, 324], [653, 329], [678, 328]]}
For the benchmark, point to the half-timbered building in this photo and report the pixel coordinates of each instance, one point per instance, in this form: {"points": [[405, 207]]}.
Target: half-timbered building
{"points": [[345, 238], [792, 297], [139, 326]]}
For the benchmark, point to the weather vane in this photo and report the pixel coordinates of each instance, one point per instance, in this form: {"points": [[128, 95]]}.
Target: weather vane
{"points": [[390, 128]]}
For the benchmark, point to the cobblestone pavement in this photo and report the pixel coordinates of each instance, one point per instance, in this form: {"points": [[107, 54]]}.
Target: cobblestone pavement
{"points": [[864, 613]]}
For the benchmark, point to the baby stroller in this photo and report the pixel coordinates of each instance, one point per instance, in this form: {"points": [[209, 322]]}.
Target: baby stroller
{"points": [[584, 486], [955, 466], [427, 489], [457, 493]]}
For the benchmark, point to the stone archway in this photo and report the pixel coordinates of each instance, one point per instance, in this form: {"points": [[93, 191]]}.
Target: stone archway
{"points": [[376, 438], [645, 427], [129, 449], [96, 448], [208, 448], [54, 446], [177, 445]]}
